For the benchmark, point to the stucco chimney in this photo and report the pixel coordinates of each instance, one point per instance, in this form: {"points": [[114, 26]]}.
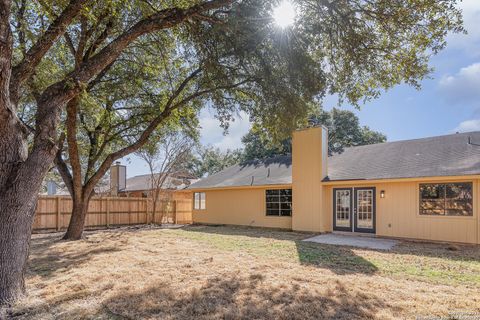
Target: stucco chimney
{"points": [[309, 168], [118, 178]]}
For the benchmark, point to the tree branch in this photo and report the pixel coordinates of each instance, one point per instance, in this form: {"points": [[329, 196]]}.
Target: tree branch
{"points": [[143, 137], [5, 59], [71, 126], [58, 94], [24, 70], [169, 108], [62, 166], [70, 44], [67, 88]]}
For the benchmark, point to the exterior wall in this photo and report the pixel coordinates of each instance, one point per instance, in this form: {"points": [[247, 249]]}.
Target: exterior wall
{"points": [[239, 207], [308, 154], [397, 215]]}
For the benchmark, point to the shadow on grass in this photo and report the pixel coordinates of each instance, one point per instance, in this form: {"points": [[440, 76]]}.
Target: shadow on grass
{"points": [[45, 259], [339, 259], [252, 297], [455, 252]]}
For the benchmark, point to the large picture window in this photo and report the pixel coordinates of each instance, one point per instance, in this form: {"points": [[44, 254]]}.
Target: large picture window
{"points": [[446, 199], [199, 200], [279, 202]]}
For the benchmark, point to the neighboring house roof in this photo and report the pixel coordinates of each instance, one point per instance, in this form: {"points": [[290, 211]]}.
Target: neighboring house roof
{"points": [[449, 155], [277, 170], [144, 182]]}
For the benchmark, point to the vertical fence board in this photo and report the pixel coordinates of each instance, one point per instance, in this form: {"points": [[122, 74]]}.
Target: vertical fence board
{"points": [[53, 212]]}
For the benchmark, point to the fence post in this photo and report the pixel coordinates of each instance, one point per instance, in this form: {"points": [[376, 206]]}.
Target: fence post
{"points": [[147, 215], [58, 214], [175, 211], [138, 211], [129, 213], [108, 212], [153, 211]]}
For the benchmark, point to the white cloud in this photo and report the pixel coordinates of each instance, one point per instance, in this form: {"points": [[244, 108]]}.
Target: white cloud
{"points": [[468, 125], [471, 16], [464, 86], [212, 133]]}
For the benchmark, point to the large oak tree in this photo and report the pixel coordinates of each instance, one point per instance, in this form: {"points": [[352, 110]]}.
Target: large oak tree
{"points": [[227, 53]]}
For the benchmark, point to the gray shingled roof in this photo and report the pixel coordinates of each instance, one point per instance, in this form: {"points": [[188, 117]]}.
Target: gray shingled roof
{"points": [[449, 155], [277, 170]]}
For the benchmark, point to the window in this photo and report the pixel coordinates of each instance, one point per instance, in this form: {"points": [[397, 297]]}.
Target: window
{"points": [[279, 202], [199, 201], [446, 199]]}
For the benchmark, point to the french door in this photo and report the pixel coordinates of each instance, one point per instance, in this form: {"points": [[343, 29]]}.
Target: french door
{"points": [[354, 209]]}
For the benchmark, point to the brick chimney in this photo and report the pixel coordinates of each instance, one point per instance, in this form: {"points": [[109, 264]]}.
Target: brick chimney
{"points": [[118, 178]]}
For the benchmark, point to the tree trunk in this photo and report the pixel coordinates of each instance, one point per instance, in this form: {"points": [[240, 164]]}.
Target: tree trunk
{"points": [[154, 206], [15, 232], [18, 199], [77, 220]]}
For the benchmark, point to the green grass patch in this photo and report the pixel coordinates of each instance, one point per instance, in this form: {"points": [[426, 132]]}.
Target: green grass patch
{"points": [[431, 263]]}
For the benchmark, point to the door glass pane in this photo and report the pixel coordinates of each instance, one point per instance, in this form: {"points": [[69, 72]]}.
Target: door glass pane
{"points": [[365, 209], [342, 208]]}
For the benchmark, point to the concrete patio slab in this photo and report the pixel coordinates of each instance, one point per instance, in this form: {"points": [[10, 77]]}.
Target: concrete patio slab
{"points": [[354, 241]]}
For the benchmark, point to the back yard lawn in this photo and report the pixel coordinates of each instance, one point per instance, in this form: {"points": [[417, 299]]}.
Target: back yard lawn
{"points": [[201, 272]]}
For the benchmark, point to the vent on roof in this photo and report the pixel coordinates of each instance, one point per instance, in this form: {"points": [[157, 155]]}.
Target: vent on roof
{"points": [[473, 142]]}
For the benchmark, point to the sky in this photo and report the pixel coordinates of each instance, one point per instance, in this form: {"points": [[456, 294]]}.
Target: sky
{"points": [[448, 102]]}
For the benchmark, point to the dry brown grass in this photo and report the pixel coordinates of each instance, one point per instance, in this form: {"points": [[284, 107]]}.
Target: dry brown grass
{"points": [[239, 273]]}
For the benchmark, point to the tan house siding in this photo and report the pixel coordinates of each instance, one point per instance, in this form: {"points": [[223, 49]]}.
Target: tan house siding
{"points": [[307, 174], [239, 207], [397, 215]]}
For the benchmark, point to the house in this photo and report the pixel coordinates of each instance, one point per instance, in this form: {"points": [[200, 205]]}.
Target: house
{"points": [[173, 187], [174, 200], [419, 189]]}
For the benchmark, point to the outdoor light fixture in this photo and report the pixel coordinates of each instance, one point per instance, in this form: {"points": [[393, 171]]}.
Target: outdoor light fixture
{"points": [[382, 194]]}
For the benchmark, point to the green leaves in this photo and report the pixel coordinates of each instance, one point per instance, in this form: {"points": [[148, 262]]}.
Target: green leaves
{"points": [[354, 49], [344, 130], [211, 160]]}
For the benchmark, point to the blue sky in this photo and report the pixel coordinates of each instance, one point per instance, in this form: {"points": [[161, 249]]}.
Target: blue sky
{"points": [[446, 103]]}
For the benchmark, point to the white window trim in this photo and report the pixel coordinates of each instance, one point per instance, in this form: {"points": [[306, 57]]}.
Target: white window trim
{"points": [[199, 204]]}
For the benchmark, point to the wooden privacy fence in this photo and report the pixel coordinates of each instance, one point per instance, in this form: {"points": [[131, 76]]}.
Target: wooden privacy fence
{"points": [[53, 212]]}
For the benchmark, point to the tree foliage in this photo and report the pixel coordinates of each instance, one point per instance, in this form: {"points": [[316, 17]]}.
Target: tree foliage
{"points": [[209, 160], [344, 130], [226, 53]]}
